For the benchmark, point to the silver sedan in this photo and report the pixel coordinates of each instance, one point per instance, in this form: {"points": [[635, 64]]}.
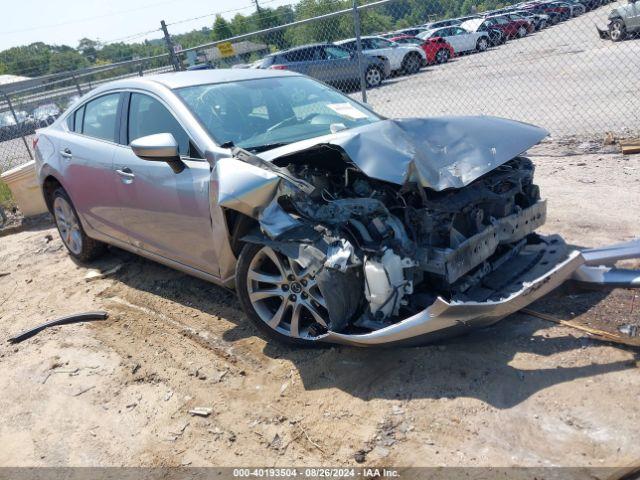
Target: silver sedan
{"points": [[333, 223]]}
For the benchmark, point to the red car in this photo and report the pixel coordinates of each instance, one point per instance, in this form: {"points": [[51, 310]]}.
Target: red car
{"points": [[509, 27], [437, 49]]}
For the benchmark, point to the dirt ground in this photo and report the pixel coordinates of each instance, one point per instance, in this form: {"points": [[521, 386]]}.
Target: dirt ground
{"points": [[118, 392]]}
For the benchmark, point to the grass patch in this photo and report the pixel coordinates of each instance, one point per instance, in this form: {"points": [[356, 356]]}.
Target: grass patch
{"points": [[6, 200]]}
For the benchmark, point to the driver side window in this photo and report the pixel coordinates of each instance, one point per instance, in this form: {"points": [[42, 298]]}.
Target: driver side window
{"points": [[147, 116]]}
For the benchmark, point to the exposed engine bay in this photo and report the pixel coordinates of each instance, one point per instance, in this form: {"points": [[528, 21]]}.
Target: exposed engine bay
{"points": [[401, 246]]}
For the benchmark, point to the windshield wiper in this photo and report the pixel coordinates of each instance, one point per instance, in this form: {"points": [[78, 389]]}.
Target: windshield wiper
{"points": [[266, 146]]}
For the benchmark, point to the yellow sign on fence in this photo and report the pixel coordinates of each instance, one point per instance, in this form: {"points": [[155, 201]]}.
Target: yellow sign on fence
{"points": [[226, 49]]}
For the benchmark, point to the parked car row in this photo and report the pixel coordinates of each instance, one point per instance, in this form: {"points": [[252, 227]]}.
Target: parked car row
{"points": [[25, 123], [406, 51]]}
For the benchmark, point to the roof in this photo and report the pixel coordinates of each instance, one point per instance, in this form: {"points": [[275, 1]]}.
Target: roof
{"points": [[200, 77]]}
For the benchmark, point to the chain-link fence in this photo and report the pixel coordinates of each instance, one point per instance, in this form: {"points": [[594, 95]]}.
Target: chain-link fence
{"points": [[543, 62], [33, 103]]}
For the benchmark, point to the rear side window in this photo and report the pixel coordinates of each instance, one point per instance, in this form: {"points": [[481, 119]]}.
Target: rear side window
{"points": [[302, 55], [100, 117], [147, 116]]}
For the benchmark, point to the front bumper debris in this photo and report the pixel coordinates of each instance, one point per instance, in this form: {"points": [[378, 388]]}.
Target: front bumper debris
{"points": [[443, 318], [603, 32]]}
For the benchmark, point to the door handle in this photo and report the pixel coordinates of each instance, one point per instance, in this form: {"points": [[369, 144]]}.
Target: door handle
{"points": [[66, 153], [126, 175]]}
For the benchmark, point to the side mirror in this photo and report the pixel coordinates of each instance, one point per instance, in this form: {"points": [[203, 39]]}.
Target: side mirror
{"points": [[161, 147]]}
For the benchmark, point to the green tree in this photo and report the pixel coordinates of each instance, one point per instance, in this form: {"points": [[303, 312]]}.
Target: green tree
{"points": [[221, 29], [65, 60], [3, 69], [88, 48]]}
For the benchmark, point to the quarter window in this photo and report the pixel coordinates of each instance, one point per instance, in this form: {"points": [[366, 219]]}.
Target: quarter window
{"points": [[100, 117], [147, 116]]}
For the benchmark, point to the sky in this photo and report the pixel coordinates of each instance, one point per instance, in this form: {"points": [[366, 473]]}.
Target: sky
{"points": [[66, 21]]}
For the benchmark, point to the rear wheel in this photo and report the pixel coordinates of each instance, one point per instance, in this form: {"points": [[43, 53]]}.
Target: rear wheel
{"points": [[373, 76], [617, 30], [411, 63], [279, 296], [482, 44], [522, 32], [79, 245], [442, 55]]}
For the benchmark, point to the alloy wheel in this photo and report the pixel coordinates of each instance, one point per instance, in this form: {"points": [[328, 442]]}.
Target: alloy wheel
{"points": [[68, 225], [442, 56], [285, 295], [373, 77]]}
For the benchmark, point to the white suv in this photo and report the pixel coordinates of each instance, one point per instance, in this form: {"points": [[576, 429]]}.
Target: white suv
{"points": [[406, 58]]}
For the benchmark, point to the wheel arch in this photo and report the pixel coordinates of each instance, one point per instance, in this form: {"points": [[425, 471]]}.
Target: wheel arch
{"points": [[49, 185], [238, 225]]}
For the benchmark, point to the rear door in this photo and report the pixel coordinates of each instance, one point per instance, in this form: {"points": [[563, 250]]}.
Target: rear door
{"points": [[86, 155], [343, 65], [165, 213]]}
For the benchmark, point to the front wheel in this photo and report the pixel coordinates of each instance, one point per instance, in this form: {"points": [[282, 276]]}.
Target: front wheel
{"points": [[442, 55], [279, 296], [373, 76], [522, 32], [79, 245], [617, 30], [482, 44], [411, 64]]}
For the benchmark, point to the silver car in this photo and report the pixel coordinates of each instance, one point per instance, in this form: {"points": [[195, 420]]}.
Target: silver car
{"points": [[333, 223]]}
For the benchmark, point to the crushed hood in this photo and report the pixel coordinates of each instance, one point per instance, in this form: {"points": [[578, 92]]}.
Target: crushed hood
{"points": [[438, 152]]}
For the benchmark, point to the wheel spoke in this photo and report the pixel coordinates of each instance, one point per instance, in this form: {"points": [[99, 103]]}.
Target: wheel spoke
{"points": [[316, 296], [315, 314], [262, 294], [275, 258], [265, 277], [295, 320], [277, 316]]}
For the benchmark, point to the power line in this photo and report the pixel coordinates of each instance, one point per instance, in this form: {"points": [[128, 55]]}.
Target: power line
{"points": [[218, 13], [86, 19]]}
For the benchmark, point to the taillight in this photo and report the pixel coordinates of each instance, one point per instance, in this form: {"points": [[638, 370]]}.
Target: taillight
{"points": [[35, 141], [278, 67]]}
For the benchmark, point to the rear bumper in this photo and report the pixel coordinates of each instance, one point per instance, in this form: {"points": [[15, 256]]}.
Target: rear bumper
{"points": [[443, 317]]}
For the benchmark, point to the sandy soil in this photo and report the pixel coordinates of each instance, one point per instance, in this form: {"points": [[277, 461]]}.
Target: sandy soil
{"points": [[118, 392]]}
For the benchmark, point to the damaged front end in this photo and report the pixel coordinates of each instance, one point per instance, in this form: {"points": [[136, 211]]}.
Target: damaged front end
{"points": [[410, 229]]}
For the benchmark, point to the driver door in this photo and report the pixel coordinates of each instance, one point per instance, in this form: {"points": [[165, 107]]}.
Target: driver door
{"points": [[165, 213]]}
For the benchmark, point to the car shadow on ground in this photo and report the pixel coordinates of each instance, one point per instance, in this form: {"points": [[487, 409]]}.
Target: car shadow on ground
{"points": [[482, 364]]}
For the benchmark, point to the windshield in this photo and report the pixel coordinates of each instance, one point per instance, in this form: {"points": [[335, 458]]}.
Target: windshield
{"points": [[269, 112]]}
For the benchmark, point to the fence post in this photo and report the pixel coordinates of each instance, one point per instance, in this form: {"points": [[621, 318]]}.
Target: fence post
{"points": [[21, 130], [356, 24], [172, 53], [75, 80]]}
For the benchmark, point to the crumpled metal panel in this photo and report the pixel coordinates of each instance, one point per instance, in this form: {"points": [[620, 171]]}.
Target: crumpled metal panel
{"points": [[438, 152], [244, 187]]}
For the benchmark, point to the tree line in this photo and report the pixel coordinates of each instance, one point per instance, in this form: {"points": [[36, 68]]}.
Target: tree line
{"points": [[41, 58]]}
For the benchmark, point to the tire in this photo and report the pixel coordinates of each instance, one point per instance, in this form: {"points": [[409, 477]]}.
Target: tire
{"points": [[74, 238], [442, 56], [482, 44], [278, 297], [411, 63], [617, 30], [373, 76], [542, 25], [522, 32]]}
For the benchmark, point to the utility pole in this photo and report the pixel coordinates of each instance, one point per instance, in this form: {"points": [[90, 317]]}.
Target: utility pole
{"points": [[175, 61]]}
